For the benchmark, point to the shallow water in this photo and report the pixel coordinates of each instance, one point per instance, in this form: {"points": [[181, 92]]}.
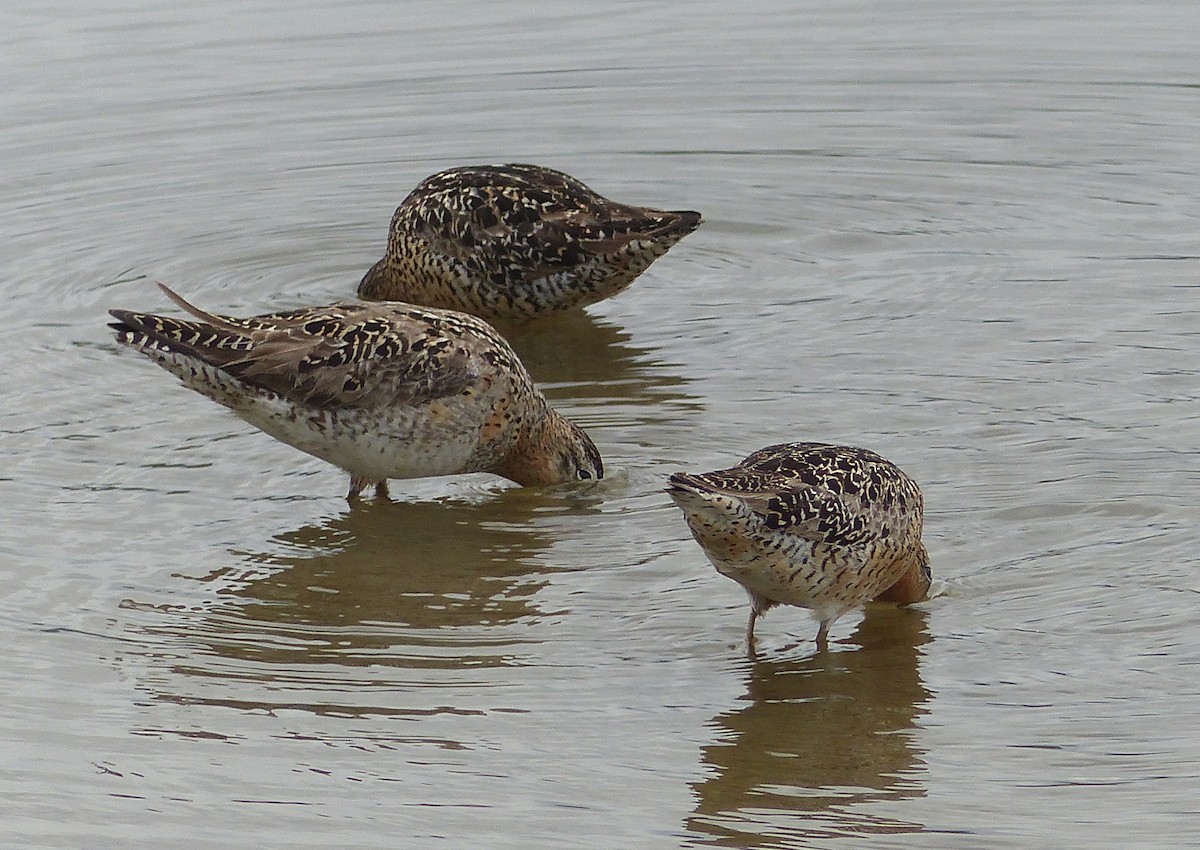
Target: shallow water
{"points": [[962, 236]]}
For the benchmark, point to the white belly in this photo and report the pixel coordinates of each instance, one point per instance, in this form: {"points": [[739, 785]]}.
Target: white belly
{"points": [[404, 441], [411, 442]]}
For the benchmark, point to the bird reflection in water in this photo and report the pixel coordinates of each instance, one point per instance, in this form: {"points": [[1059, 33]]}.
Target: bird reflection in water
{"points": [[577, 356], [381, 610], [820, 739], [418, 573]]}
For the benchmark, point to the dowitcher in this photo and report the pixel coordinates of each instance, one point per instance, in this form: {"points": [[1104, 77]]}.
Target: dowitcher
{"points": [[516, 242], [381, 390], [818, 526]]}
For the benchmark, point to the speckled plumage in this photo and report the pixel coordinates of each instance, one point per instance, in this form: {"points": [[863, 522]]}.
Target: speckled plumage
{"points": [[516, 242], [383, 390], [818, 526]]}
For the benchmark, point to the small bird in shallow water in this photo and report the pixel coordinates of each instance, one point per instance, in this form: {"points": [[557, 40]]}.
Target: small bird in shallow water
{"points": [[516, 242], [381, 390], [818, 526]]}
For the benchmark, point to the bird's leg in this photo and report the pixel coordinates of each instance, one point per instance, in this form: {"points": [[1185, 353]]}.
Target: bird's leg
{"points": [[754, 612], [759, 605], [357, 485], [823, 637]]}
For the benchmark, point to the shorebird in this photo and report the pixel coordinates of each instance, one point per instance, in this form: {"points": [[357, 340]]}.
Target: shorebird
{"points": [[817, 526], [516, 242], [381, 390]]}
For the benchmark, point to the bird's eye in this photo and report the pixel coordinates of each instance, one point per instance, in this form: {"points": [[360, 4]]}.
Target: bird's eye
{"points": [[584, 474]]}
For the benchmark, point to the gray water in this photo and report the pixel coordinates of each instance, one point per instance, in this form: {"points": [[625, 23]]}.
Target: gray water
{"points": [[962, 235]]}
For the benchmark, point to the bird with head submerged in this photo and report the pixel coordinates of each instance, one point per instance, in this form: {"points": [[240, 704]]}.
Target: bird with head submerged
{"points": [[516, 242], [380, 390], [814, 525]]}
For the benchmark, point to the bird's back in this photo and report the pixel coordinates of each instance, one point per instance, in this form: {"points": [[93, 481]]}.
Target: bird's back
{"points": [[517, 241]]}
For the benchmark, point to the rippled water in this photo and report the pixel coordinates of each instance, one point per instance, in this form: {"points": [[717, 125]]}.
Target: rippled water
{"points": [[964, 236]]}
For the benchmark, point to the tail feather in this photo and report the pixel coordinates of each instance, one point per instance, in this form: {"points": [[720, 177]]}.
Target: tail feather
{"points": [[682, 482], [685, 222], [211, 339], [195, 352], [149, 332], [208, 318], [253, 351], [687, 490], [660, 228]]}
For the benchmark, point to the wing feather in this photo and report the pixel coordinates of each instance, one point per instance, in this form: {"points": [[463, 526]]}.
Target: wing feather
{"points": [[348, 355]]}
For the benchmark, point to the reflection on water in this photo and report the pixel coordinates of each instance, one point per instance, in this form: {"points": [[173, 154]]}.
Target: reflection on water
{"points": [[818, 737], [963, 234], [343, 614], [582, 357], [437, 566]]}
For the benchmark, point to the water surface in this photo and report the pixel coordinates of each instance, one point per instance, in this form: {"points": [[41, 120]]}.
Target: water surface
{"points": [[962, 236]]}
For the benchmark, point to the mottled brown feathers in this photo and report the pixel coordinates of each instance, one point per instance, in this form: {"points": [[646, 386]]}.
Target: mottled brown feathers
{"points": [[517, 241], [351, 355], [383, 390], [840, 495], [810, 524]]}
